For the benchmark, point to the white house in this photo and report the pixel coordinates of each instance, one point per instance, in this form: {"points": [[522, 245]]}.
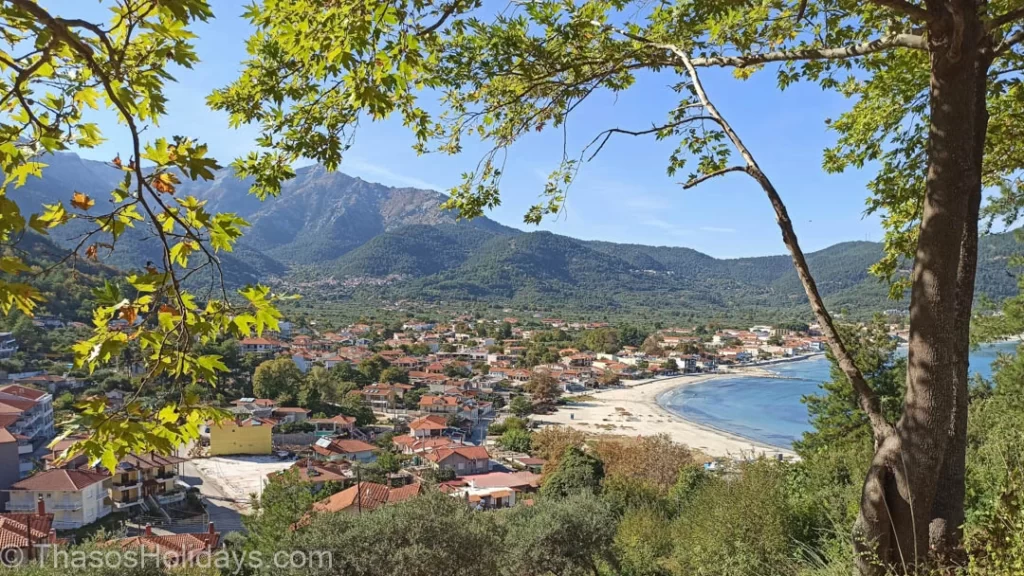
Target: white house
{"points": [[75, 497]]}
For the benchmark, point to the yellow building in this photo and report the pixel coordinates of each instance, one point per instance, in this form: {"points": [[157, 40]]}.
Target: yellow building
{"points": [[236, 437]]}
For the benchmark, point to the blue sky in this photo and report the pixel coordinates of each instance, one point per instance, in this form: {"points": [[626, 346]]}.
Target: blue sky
{"points": [[623, 195]]}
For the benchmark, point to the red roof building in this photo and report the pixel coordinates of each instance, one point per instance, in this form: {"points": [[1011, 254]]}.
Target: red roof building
{"points": [[366, 496]]}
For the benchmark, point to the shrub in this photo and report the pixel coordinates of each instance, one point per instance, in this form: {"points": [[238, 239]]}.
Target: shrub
{"points": [[737, 526], [643, 542]]}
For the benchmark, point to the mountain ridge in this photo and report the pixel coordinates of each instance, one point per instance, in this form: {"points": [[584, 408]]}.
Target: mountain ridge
{"points": [[369, 241]]}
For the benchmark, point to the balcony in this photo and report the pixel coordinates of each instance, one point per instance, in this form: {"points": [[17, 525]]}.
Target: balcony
{"points": [[66, 525], [170, 498], [14, 506], [134, 484], [170, 475], [125, 504], [64, 505]]}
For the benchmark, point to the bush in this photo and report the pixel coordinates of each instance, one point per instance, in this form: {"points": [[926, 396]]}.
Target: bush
{"points": [[296, 428], [737, 526], [643, 543]]}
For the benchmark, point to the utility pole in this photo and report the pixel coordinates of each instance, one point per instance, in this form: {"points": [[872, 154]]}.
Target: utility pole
{"points": [[359, 489]]}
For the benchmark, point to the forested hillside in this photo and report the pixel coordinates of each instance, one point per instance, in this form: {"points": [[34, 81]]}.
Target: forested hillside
{"points": [[331, 235]]}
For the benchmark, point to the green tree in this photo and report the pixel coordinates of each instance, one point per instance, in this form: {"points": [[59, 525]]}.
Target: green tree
{"points": [[394, 375], [599, 340], [516, 440], [411, 399], [577, 472], [430, 535], [277, 379], [62, 74], [389, 462], [372, 367], [354, 406], [283, 502], [318, 389], [995, 456], [64, 402], [569, 537], [520, 406], [608, 378], [455, 371], [631, 335], [835, 416], [345, 372]]}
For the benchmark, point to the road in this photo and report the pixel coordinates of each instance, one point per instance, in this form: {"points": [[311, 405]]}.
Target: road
{"points": [[479, 432], [224, 512]]}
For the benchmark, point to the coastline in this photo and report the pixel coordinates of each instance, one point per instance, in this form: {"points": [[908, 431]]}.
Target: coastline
{"points": [[633, 410]]}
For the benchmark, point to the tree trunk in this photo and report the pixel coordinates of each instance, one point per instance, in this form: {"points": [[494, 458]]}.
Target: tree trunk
{"points": [[916, 483], [945, 529]]}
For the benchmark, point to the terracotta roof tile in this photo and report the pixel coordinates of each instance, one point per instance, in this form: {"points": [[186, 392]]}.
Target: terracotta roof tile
{"points": [[429, 423], [468, 452], [178, 546], [23, 392], [60, 480], [12, 529], [371, 496]]}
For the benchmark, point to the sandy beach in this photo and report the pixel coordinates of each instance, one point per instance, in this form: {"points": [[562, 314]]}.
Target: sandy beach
{"points": [[633, 410]]}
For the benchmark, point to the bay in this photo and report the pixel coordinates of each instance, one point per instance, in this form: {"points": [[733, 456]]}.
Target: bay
{"points": [[769, 410]]}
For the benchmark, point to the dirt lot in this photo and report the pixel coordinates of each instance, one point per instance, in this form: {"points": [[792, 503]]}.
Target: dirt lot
{"points": [[238, 477]]}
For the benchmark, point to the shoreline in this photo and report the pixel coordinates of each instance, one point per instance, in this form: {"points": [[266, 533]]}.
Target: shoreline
{"points": [[633, 410]]}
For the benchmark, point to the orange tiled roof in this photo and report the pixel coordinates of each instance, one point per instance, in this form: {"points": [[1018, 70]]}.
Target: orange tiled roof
{"points": [[429, 423], [60, 480], [439, 401], [177, 546], [370, 496], [12, 529], [23, 392], [468, 452]]}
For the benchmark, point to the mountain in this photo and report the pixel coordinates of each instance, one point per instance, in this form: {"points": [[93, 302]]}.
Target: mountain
{"points": [[335, 235], [318, 217]]}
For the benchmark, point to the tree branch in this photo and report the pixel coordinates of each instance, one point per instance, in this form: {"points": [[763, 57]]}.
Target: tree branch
{"points": [[904, 7], [695, 181], [869, 403], [1009, 42], [606, 134], [445, 14], [838, 53], [1005, 18]]}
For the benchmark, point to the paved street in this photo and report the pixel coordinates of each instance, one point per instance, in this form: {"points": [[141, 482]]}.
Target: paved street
{"points": [[224, 513]]}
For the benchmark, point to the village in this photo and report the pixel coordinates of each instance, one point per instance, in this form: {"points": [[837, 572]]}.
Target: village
{"points": [[445, 409]]}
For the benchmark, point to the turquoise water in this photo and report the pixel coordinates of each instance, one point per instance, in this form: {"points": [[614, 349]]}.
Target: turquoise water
{"points": [[769, 410]]}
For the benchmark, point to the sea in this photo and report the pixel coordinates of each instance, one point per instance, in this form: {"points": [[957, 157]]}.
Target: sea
{"points": [[769, 410]]}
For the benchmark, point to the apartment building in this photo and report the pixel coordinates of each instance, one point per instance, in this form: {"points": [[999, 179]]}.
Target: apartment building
{"points": [[27, 412], [147, 476], [75, 497]]}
